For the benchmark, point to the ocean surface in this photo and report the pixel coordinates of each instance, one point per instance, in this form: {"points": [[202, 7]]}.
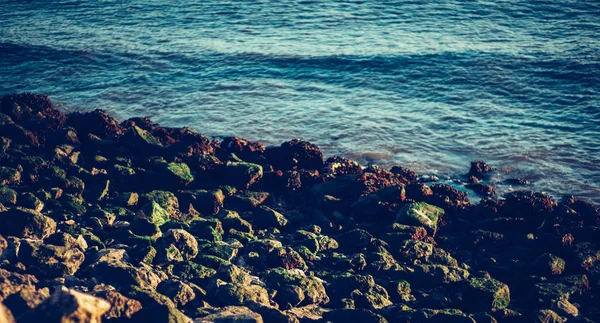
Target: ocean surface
{"points": [[430, 85]]}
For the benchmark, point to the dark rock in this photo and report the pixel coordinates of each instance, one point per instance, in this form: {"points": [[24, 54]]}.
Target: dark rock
{"points": [[241, 175], [480, 170], [53, 261], [156, 307], [237, 294], [295, 154], [184, 242], [26, 223], [265, 217], [353, 315], [481, 189], [97, 122], [121, 307], [67, 305], [485, 294], [26, 299], [231, 314], [295, 288], [421, 214], [549, 264], [179, 292], [8, 197], [32, 111]]}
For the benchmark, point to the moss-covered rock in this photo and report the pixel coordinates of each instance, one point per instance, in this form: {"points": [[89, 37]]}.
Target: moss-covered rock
{"points": [[53, 261], [237, 294], [421, 214], [154, 213], [295, 288], [8, 197], [241, 175], [485, 294]]}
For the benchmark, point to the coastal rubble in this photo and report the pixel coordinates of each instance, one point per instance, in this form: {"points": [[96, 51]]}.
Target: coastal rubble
{"points": [[131, 221]]}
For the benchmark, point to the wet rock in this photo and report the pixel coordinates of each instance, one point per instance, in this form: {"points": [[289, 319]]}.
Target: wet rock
{"points": [[481, 189], [295, 154], [9, 176], [421, 214], [481, 170], [485, 294], [143, 141], [341, 166], [231, 314], [66, 305], [26, 223], [548, 316], [32, 111], [121, 307]]}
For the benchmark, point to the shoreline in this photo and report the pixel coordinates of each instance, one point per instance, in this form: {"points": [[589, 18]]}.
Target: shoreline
{"points": [[144, 221]]}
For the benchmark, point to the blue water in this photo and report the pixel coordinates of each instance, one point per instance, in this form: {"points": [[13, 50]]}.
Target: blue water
{"points": [[430, 85]]}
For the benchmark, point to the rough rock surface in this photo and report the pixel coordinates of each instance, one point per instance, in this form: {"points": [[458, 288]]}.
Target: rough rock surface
{"points": [[136, 222]]}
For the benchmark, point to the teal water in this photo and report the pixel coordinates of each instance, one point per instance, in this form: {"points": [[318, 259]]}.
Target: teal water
{"points": [[427, 85]]}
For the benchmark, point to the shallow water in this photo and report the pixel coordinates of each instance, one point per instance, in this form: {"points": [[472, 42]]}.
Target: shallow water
{"points": [[427, 85]]}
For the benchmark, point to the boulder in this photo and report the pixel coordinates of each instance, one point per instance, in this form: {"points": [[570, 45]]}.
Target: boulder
{"points": [[231, 314], [67, 305], [421, 214], [485, 294], [26, 223]]}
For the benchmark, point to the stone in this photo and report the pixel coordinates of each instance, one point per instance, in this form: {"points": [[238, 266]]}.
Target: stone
{"points": [[231, 314], [180, 239], [154, 213], [353, 315], [421, 214], [179, 292], [26, 223], [265, 217], [8, 197], [49, 260], [5, 315], [295, 288], [26, 299], [241, 175], [9, 176], [121, 307], [485, 294], [11, 283], [156, 307], [237, 294], [67, 305], [548, 264]]}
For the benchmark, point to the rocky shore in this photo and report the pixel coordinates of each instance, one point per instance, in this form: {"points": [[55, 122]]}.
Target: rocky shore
{"points": [[131, 221]]}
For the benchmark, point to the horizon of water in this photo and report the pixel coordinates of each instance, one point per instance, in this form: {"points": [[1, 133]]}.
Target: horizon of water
{"points": [[426, 85]]}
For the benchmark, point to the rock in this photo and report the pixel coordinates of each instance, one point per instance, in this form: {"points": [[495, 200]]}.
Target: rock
{"points": [[167, 200], [11, 283], [237, 294], [548, 264], [26, 223], [175, 175], [8, 197], [231, 314], [246, 200], [481, 189], [548, 316], [208, 203], [353, 315], [179, 292], [420, 213], [241, 175], [180, 239], [29, 201], [295, 154], [98, 122], [26, 299], [481, 170], [142, 140], [53, 261], [5, 315], [67, 305], [123, 275], [9, 176], [32, 111], [265, 217], [485, 294], [154, 213], [121, 307], [156, 307], [439, 274], [295, 289]]}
